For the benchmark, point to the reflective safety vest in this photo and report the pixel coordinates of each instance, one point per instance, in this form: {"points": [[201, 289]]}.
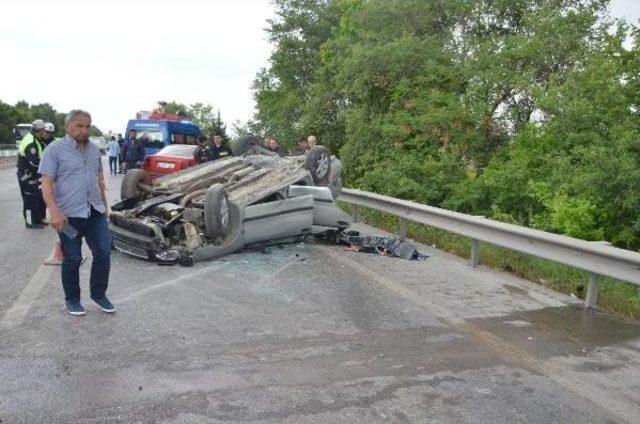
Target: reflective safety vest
{"points": [[26, 141]]}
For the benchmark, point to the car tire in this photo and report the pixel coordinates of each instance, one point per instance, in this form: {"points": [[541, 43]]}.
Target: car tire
{"points": [[129, 188], [335, 180], [217, 213], [245, 144], [318, 162]]}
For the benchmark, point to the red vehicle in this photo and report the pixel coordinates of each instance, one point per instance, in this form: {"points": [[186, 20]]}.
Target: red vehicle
{"points": [[169, 159]]}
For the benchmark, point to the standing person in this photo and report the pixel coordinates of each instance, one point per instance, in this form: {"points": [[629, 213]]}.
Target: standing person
{"points": [[33, 208], [303, 146], [133, 151], [312, 142], [49, 134], [121, 154], [219, 148], [74, 189], [201, 154], [113, 150]]}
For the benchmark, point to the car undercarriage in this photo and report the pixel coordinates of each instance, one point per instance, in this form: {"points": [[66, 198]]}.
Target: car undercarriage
{"points": [[226, 205]]}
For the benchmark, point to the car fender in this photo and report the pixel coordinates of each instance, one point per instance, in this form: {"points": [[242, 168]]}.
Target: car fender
{"points": [[325, 212]]}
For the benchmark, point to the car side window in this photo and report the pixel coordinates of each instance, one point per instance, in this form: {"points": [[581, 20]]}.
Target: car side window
{"points": [[191, 139], [177, 138]]}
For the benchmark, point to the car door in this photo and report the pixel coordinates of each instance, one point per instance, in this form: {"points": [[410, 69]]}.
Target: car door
{"points": [[325, 212], [278, 219]]}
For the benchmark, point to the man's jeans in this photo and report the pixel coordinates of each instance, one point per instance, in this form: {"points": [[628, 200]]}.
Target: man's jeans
{"points": [[96, 233], [113, 164]]}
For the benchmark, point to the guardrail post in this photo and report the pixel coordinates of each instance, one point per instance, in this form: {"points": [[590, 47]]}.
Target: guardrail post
{"points": [[402, 230], [592, 290], [475, 253], [354, 213]]}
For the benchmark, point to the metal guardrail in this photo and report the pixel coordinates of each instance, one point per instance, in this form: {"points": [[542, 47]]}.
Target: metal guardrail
{"points": [[8, 150], [598, 258]]}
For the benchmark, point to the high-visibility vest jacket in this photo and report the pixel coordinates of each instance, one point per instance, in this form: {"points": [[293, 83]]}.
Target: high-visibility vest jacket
{"points": [[29, 153], [28, 140]]}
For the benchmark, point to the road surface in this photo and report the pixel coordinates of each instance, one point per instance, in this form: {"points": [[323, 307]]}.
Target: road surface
{"points": [[304, 333]]}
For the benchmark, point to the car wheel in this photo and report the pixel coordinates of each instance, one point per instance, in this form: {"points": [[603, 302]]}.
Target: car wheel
{"points": [[245, 144], [217, 214], [335, 180], [129, 188], [318, 162]]}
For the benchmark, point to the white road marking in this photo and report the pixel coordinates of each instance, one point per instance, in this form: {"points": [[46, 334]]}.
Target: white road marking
{"points": [[206, 270], [136, 294], [20, 308]]}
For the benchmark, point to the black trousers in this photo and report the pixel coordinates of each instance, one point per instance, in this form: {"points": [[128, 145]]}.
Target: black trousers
{"points": [[33, 205]]}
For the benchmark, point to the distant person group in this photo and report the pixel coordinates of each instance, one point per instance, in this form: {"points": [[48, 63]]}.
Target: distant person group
{"points": [[216, 149], [304, 145], [125, 154]]}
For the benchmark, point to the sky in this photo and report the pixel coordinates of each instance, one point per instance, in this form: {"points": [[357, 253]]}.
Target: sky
{"points": [[116, 57]]}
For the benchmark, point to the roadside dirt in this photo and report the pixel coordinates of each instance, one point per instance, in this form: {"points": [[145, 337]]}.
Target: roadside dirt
{"points": [[7, 162]]}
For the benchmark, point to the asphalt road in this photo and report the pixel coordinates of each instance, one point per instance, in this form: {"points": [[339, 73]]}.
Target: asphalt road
{"points": [[306, 333]]}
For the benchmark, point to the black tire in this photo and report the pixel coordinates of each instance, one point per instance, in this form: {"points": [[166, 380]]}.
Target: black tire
{"points": [[335, 181], [129, 188], [246, 143], [318, 162], [217, 215]]}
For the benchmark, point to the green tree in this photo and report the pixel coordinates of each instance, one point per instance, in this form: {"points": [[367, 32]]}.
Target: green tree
{"points": [[522, 110], [202, 115], [173, 107], [209, 122], [9, 117]]}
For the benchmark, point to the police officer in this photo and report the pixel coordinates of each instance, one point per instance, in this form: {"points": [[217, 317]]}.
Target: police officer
{"points": [[34, 209], [49, 133], [219, 148]]}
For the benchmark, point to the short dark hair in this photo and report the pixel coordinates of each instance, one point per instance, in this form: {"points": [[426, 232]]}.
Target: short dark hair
{"points": [[202, 139], [302, 140], [217, 132]]}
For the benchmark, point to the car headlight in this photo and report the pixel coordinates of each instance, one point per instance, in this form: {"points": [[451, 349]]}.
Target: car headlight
{"points": [[168, 255]]}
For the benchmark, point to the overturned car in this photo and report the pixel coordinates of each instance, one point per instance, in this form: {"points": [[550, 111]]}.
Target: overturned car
{"points": [[219, 207]]}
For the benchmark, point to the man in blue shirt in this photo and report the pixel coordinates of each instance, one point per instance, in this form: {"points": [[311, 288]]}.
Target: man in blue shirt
{"points": [[74, 191], [113, 150]]}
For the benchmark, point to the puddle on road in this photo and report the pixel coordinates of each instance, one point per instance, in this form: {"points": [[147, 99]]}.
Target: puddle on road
{"points": [[566, 330]]}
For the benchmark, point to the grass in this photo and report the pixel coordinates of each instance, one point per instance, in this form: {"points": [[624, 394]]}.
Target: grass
{"points": [[614, 296]]}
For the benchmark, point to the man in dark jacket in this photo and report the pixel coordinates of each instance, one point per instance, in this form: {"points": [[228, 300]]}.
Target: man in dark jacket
{"points": [[303, 146], [274, 146], [219, 148], [134, 151], [201, 154], [121, 155], [34, 209]]}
